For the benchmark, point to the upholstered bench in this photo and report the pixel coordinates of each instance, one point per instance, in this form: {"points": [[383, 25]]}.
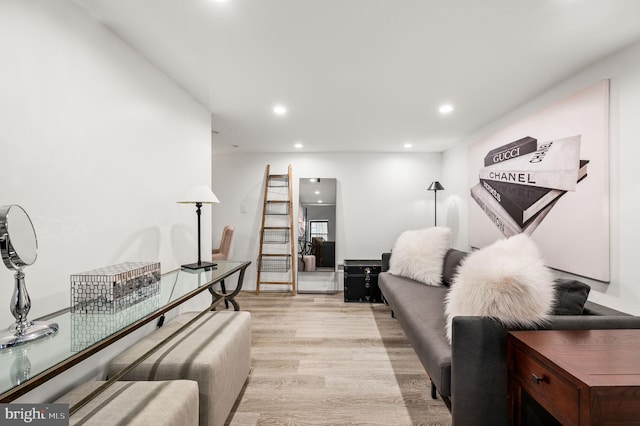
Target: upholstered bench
{"points": [[171, 403], [214, 351]]}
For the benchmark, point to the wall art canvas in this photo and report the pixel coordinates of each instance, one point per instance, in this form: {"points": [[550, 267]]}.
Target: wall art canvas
{"points": [[548, 176]]}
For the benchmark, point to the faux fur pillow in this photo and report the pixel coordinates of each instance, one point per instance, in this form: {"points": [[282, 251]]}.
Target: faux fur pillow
{"points": [[419, 254], [507, 281]]}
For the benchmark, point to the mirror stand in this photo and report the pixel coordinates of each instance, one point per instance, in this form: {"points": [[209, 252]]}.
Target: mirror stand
{"points": [[19, 248], [23, 331]]}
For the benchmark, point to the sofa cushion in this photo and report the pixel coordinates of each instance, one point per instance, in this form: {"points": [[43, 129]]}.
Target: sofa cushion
{"points": [[418, 254], [571, 295], [452, 259], [507, 281], [419, 310]]}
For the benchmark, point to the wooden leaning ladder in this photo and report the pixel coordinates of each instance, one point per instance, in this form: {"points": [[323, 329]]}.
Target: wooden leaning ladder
{"points": [[275, 257]]}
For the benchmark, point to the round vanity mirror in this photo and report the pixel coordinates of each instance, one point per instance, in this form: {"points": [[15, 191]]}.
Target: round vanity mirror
{"points": [[19, 244], [19, 248]]}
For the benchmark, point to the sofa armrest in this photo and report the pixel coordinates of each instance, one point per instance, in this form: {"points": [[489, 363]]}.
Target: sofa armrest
{"points": [[479, 363], [385, 261], [478, 371]]}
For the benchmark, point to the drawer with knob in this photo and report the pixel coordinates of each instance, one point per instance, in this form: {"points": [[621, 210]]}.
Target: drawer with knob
{"points": [[558, 396]]}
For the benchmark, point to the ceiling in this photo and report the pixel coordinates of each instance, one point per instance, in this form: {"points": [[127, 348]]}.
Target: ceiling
{"points": [[365, 75]]}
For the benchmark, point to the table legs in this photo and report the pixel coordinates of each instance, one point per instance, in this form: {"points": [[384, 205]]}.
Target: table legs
{"points": [[228, 297]]}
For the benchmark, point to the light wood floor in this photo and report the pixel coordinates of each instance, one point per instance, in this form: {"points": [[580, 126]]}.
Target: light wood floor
{"points": [[319, 361]]}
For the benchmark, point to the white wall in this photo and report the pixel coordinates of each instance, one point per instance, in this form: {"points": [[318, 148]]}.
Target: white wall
{"points": [[623, 70], [379, 196], [97, 145]]}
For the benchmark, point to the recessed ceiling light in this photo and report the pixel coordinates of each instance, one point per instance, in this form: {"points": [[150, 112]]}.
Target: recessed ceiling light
{"points": [[319, 201], [280, 110], [407, 145], [445, 109], [317, 192], [298, 145]]}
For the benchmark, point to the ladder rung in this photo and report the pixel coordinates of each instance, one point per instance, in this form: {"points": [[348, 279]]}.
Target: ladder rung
{"points": [[277, 282]]}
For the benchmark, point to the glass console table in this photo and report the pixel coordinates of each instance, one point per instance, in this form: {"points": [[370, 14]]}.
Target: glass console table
{"points": [[81, 335]]}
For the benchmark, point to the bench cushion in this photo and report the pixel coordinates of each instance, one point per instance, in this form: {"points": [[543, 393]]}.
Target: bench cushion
{"points": [[171, 403], [214, 351]]}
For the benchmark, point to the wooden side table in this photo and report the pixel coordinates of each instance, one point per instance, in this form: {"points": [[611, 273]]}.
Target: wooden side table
{"points": [[574, 377]]}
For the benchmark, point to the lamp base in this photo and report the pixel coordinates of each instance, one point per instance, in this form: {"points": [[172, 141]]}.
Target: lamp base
{"points": [[34, 331], [201, 265]]}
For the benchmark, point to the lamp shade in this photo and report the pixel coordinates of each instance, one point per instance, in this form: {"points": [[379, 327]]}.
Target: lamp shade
{"points": [[199, 194], [435, 186]]}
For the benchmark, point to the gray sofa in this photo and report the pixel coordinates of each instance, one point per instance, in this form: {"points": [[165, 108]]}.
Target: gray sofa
{"points": [[471, 373]]}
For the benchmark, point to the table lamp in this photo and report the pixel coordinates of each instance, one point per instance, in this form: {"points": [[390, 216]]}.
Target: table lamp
{"points": [[199, 195]]}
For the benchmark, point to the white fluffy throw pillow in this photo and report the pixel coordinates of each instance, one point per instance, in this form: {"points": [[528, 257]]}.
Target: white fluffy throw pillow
{"points": [[419, 254], [507, 281]]}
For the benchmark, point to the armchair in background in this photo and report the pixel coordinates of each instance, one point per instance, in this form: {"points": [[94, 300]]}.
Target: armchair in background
{"points": [[222, 253]]}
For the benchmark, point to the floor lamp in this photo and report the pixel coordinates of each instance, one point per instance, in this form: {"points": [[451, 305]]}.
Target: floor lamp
{"points": [[199, 195], [435, 187]]}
